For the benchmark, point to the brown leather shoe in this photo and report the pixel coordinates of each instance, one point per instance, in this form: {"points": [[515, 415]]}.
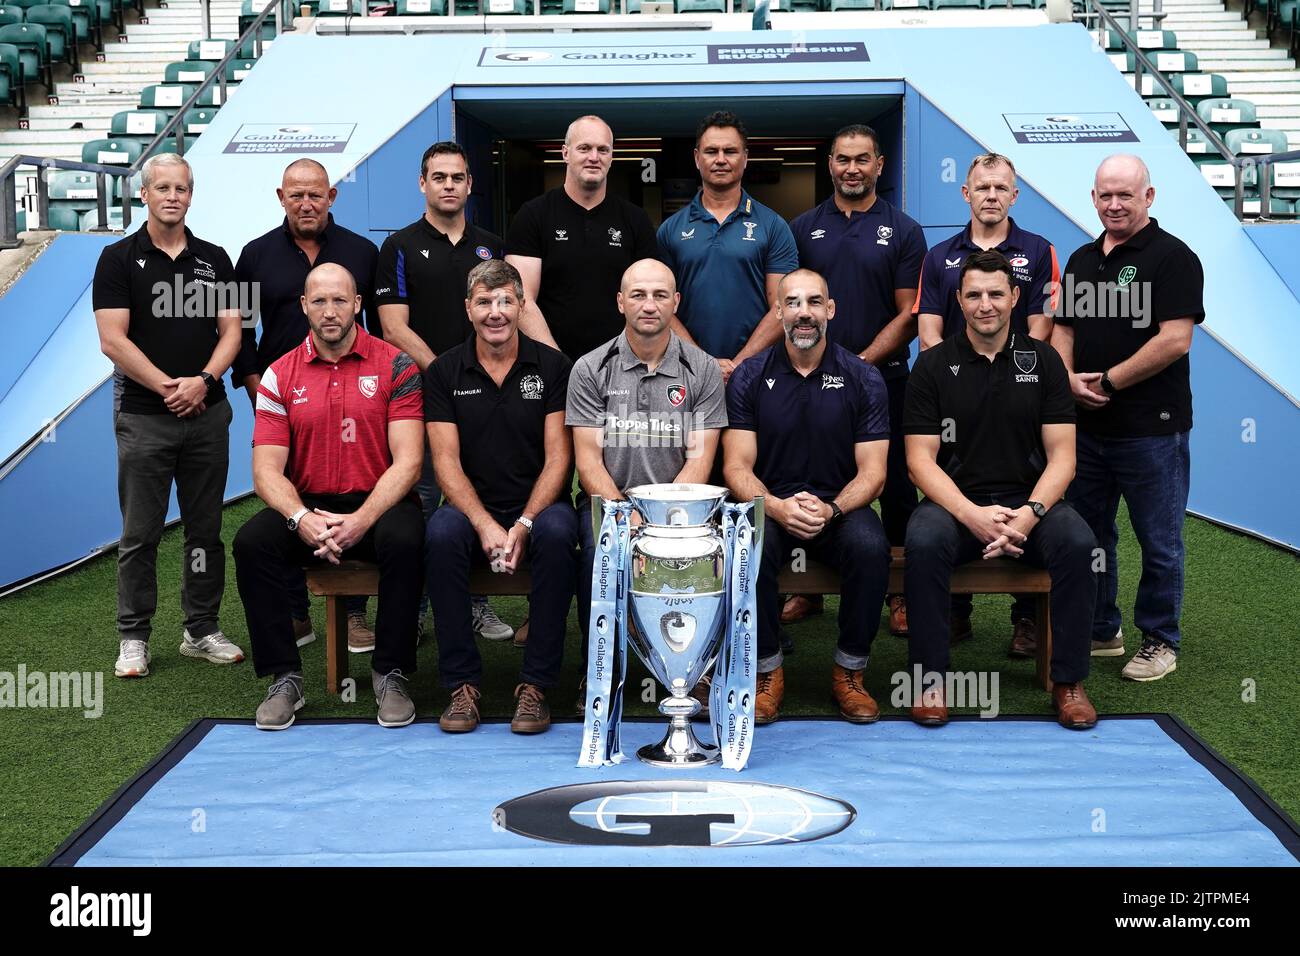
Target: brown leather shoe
{"points": [[800, 606], [897, 615], [701, 693], [461, 715], [1073, 709], [771, 691], [856, 705], [361, 639], [532, 716], [521, 635], [959, 630], [1024, 638], [302, 632], [933, 709]]}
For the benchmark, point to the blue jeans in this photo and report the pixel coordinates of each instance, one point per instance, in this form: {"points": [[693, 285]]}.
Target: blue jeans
{"points": [[451, 546], [1153, 475]]}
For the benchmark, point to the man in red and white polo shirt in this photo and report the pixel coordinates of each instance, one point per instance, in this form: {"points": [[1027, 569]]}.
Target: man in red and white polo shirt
{"points": [[337, 448]]}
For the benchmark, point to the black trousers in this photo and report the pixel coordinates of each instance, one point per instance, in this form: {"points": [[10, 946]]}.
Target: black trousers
{"points": [[1061, 542], [265, 549], [898, 497]]}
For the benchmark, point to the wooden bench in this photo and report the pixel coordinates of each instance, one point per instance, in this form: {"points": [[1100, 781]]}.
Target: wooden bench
{"points": [[997, 576]]}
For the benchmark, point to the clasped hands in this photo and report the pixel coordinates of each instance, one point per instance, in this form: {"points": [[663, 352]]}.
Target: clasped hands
{"points": [[331, 534], [1000, 529]]}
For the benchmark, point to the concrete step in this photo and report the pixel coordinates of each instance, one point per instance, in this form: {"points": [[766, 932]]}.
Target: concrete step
{"points": [[170, 48], [1273, 102], [1256, 74], [61, 138], [1247, 66], [1246, 56], [1245, 88], [72, 112], [1187, 21], [65, 122], [154, 66], [1213, 47], [1278, 111]]}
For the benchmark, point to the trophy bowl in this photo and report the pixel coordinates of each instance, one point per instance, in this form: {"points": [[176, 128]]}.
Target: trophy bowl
{"points": [[677, 605]]}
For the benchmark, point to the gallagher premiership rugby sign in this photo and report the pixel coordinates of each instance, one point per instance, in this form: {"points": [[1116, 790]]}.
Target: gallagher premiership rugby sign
{"points": [[264, 138], [710, 54], [1069, 128]]}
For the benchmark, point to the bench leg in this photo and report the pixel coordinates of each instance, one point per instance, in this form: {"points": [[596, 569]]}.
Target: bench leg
{"points": [[1045, 641], [336, 642]]}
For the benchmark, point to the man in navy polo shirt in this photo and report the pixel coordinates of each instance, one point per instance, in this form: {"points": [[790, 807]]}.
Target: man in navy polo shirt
{"points": [[870, 253], [728, 252], [991, 191], [810, 431]]}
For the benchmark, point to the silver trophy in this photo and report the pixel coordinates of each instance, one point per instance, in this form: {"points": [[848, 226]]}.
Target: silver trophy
{"points": [[678, 605]]}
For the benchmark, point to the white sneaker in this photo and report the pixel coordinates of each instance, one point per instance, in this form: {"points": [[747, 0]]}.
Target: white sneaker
{"points": [[215, 648], [1152, 662], [487, 625], [132, 659]]}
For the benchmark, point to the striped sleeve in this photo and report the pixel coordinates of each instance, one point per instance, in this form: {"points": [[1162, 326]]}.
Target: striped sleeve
{"points": [[406, 400], [270, 420]]}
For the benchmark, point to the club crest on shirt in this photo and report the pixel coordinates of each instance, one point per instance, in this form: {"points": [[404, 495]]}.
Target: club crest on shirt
{"points": [[616, 237], [688, 233], [531, 386], [369, 385], [817, 234], [952, 263], [832, 381], [1026, 362], [676, 395], [749, 231], [483, 252], [884, 233], [562, 235]]}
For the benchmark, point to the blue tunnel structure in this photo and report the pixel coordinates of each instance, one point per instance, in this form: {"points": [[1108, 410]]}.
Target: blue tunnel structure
{"points": [[1050, 99]]}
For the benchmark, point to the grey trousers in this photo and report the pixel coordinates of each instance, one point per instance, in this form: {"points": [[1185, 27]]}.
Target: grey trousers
{"points": [[152, 452]]}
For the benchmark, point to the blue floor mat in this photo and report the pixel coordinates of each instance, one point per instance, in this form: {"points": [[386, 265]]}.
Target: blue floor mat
{"points": [[1135, 791]]}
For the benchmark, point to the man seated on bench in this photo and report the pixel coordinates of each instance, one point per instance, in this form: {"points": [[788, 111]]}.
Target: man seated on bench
{"points": [[810, 430], [337, 447], [501, 453], [646, 407], [989, 425]]}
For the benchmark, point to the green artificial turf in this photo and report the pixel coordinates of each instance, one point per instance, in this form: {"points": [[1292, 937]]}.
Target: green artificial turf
{"points": [[1239, 627]]}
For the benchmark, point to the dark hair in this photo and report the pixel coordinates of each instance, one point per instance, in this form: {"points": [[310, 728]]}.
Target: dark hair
{"points": [[445, 148], [986, 260], [856, 129], [722, 119]]}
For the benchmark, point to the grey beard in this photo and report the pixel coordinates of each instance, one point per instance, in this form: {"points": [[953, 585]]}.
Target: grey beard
{"points": [[804, 346]]}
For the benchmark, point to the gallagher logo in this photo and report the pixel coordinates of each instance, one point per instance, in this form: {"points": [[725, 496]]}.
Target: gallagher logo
{"points": [[524, 56], [646, 813]]}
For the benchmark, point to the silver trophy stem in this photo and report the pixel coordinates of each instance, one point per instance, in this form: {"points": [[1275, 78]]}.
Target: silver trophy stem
{"points": [[680, 748]]}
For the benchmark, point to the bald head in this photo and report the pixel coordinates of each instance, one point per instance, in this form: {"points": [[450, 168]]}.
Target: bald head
{"points": [[648, 271], [1122, 194], [648, 299], [588, 153], [590, 125], [330, 274], [306, 195], [801, 277], [331, 304]]}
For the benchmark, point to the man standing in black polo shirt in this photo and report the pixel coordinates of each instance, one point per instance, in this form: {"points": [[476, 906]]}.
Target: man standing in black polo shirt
{"points": [[1129, 303], [276, 264], [572, 245], [809, 429], [870, 253], [170, 412], [420, 286], [990, 442], [495, 412]]}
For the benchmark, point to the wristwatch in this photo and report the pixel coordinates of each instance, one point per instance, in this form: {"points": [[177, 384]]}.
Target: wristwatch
{"points": [[1107, 385], [293, 519], [1037, 508], [208, 380], [526, 522], [836, 513]]}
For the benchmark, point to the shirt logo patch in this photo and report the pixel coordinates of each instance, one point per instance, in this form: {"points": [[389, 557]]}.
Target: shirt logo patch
{"points": [[531, 386], [203, 269], [425, 253], [1019, 262], [676, 395], [688, 233], [1165, 416], [561, 235], [140, 263], [749, 231], [770, 383], [952, 263], [369, 384], [884, 232], [817, 234], [299, 394], [1026, 362], [483, 252], [458, 392], [954, 369], [832, 381], [616, 237], [1127, 275]]}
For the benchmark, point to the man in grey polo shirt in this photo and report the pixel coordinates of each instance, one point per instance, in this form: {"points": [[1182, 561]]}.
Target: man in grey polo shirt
{"points": [[646, 407]]}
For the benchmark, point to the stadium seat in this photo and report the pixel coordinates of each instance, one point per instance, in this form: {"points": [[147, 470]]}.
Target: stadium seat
{"points": [[209, 49], [958, 4], [1285, 180], [1164, 109], [60, 32], [197, 120], [249, 12], [1197, 144], [237, 69], [10, 15], [139, 124], [73, 190], [33, 49], [63, 219], [90, 220], [1223, 114], [339, 8], [421, 8], [1277, 208], [701, 6], [508, 7], [586, 6], [188, 71], [1219, 173], [1146, 40], [1255, 141], [105, 151], [85, 17], [902, 5], [11, 76], [1198, 86]]}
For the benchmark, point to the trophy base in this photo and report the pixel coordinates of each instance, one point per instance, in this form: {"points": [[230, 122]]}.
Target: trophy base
{"points": [[679, 749]]}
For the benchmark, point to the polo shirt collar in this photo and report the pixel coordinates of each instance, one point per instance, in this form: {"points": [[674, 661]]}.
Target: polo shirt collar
{"points": [[829, 208], [1014, 239], [697, 210], [670, 364], [827, 364], [966, 352], [144, 242], [528, 352], [323, 238], [1139, 240], [361, 347]]}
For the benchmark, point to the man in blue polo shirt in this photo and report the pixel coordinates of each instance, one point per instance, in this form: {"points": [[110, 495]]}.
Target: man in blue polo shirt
{"points": [[810, 432], [870, 253], [728, 252], [990, 189]]}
